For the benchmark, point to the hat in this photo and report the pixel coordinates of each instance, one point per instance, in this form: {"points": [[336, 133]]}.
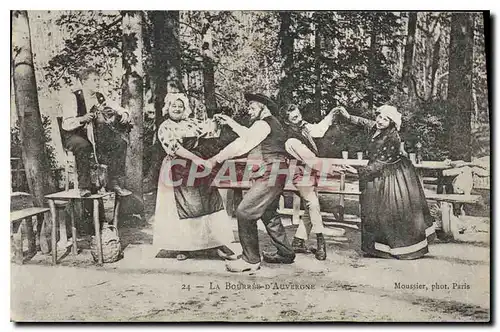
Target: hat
{"points": [[390, 112], [259, 97], [170, 98]]}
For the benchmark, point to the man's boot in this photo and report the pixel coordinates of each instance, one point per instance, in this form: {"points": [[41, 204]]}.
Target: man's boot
{"points": [[321, 251], [299, 246], [121, 191], [116, 188], [276, 258]]}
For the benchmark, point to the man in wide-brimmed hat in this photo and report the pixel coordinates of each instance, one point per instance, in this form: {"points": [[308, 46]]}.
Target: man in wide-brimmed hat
{"points": [[261, 201]]}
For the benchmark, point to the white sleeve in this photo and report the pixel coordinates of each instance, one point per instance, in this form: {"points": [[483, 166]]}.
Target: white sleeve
{"points": [[69, 110], [256, 134], [319, 129]]}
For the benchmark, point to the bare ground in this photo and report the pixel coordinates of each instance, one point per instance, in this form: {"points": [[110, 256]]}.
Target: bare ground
{"points": [[345, 287]]}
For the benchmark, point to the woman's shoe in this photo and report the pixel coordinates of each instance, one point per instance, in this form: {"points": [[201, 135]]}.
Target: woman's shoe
{"points": [[182, 257], [241, 266], [321, 251]]}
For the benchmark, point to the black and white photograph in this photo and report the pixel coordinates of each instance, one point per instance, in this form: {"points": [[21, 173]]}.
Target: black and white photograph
{"points": [[250, 166]]}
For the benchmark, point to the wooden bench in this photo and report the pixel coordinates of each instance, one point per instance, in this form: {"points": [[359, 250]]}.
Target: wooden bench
{"points": [[17, 219], [445, 200]]}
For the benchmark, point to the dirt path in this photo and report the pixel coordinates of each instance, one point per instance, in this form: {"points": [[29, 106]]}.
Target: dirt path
{"points": [[346, 287], [454, 280]]}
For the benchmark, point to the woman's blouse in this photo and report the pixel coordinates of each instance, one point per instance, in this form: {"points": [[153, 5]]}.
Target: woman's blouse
{"points": [[382, 150], [171, 133]]}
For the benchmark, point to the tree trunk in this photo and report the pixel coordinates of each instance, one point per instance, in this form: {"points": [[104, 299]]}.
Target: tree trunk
{"points": [[409, 54], [208, 73], [460, 86], [165, 75], [373, 62], [435, 67], [26, 99], [286, 45], [133, 97], [317, 64]]}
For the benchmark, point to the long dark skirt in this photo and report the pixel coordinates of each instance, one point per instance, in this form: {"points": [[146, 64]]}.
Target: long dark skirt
{"points": [[395, 217]]}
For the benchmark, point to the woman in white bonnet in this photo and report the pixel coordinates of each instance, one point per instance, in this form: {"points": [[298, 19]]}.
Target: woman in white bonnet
{"points": [[188, 217], [396, 221]]}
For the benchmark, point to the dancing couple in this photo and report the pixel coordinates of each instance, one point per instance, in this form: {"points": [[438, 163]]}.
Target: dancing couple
{"points": [[190, 218]]}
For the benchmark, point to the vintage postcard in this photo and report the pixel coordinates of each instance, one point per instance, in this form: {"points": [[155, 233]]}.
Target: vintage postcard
{"points": [[250, 166]]}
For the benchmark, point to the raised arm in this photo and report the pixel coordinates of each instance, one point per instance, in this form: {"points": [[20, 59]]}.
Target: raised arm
{"points": [[172, 146], [360, 121], [243, 144], [357, 120], [240, 130], [319, 129]]}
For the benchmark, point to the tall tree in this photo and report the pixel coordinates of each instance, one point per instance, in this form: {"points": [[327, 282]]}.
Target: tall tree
{"points": [[133, 97], [286, 40], [26, 99], [317, 61], [165, 75], [372, 68], [409, 54], [208, 69], [460, 85], [166, 56]]}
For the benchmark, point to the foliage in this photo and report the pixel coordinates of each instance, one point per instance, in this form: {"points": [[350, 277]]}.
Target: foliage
{"points": [[95, 40], [16, 152], [354, 72]]}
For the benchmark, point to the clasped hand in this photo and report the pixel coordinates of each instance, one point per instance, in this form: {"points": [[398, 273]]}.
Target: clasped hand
{"points": [[340, 110], [222, 119]]}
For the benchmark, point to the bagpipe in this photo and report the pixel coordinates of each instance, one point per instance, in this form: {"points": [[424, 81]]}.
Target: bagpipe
{"points": [[105, 114]]}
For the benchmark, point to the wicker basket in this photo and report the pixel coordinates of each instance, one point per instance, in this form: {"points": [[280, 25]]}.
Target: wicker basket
{"points": [[111, 248]]}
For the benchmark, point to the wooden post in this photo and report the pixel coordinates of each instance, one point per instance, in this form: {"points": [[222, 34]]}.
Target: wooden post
{"points": [[281, 205], [28, 224], [74, 248], [97, 227], [296, 209], [66, 172], [18, 242], [43, 237], [342, 181], [63, 232], [446, 211], [53, 215], [116, 210]]}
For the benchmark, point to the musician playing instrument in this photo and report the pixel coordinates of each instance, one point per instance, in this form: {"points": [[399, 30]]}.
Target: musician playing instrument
{"points": [[93, 125]]}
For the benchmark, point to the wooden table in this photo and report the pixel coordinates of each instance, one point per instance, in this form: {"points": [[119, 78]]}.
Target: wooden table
{"points": [[71, 196]]}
